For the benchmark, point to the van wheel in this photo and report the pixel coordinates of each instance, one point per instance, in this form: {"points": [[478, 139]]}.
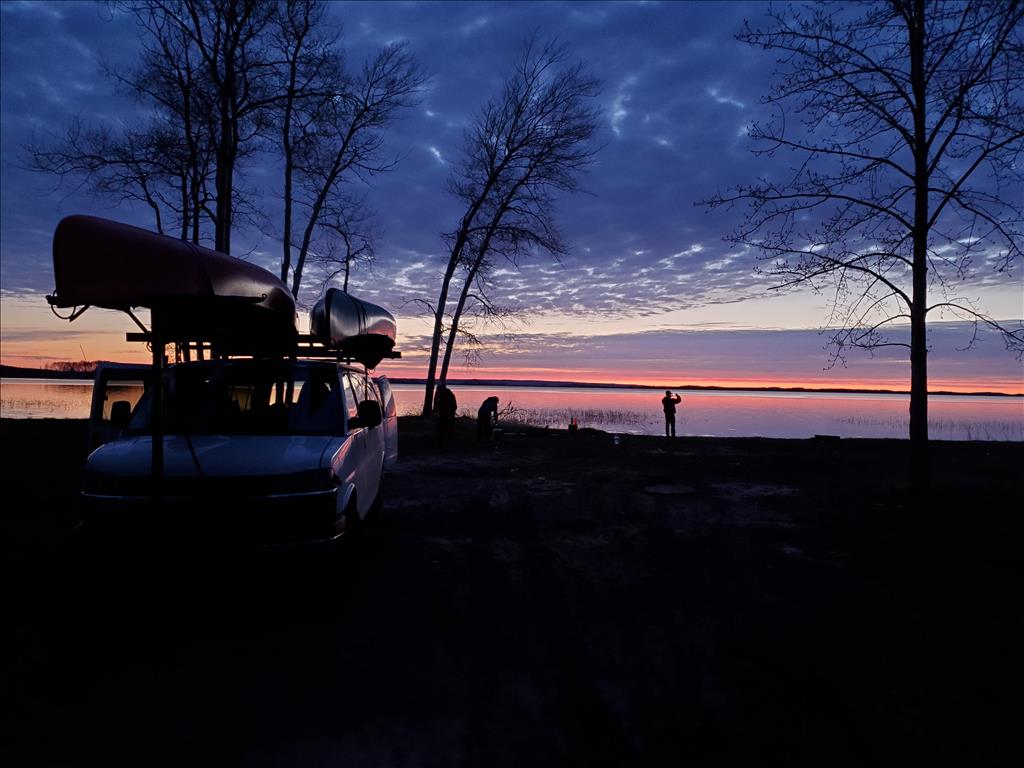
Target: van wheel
{"points": [[352, 522], [376, 513]]}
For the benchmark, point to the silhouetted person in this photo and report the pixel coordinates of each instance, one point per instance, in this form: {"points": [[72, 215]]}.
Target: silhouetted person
{"points": [[669, 403], [486, 418], [445, 406]]}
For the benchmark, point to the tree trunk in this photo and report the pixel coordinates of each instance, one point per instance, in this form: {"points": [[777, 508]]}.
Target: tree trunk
{"points": [[456, 316], [227, 192], [220, 182], [185, 216], [317, 208], [485, 246], [918, 387], [442, 300], [435, 341], [919, 307], [286, 257], [189, 179], [289, 163], [196, 206], [307, 234], [222, 228]]}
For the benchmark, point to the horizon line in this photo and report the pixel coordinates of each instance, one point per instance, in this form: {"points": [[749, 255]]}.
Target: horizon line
{"points": [[41, 373], [698, 387]]}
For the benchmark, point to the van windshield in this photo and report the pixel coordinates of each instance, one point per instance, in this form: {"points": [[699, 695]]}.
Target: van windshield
{"points": [[246, 398]]}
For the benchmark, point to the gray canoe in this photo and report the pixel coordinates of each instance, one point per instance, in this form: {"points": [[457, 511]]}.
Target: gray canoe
{"points": [[356, 328]]}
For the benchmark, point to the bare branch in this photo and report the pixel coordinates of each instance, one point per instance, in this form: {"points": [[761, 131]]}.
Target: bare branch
{"points": [[527, 144], [901, 104]]}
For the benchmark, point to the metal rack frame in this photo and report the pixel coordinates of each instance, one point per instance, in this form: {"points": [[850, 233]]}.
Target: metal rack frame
{"points": [[307, 346]]}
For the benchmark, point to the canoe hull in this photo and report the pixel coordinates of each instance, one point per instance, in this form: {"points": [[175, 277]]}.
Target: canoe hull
{"points": [[356, 328], [193, 291]]}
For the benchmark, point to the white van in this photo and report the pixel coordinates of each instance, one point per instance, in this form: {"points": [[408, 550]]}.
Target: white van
{"points": [[275, 450]]}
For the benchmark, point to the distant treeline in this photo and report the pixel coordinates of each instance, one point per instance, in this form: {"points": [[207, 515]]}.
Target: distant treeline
{"points": [[82, 369], [681, 387], [85, 369], [73, 366]]}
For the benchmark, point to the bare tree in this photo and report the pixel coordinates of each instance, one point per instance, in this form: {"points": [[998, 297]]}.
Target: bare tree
{"points": [[222, 77], [309, 70], [171, 78], [166, 162], [206, 73], [229, 44], [477, 311], [508, 234], [143, 165], [349, 231], [528, 143], [908, 138], [347, 142]]}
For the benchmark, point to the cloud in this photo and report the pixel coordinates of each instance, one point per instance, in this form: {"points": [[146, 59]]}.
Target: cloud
{"points": [[37, 334], [721, 99], [714, 355], [618, 112], [674, 78], [475, 25], [13, 7]]}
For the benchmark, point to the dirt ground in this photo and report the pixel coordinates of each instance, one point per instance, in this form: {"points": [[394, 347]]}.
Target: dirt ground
{"points": [[546, 600]]}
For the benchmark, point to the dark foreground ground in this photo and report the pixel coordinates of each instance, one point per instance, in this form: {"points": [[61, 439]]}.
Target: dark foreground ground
{"points": [[549, 600]]}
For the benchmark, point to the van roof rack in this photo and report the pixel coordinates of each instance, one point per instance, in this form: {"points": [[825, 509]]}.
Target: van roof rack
{"points": [[306, 346]]}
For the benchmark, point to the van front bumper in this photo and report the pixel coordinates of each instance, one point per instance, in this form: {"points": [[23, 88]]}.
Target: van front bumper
{"points": [[267, 519]]}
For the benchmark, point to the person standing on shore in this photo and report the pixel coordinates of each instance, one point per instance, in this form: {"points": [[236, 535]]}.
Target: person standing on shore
{"points": [[445, 406], [669, 403]]}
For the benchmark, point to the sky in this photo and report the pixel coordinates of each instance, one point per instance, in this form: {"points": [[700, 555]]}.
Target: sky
{"points": [[650, 293]]}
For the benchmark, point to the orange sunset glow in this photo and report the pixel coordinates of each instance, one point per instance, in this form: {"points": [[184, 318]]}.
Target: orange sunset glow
{"points": [[34, 338]]}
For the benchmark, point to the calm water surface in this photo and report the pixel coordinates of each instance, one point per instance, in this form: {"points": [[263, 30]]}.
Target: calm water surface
{"points": [[720, 414]]}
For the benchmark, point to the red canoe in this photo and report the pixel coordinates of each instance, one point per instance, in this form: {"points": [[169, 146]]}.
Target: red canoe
{"points": [[194, 291]]}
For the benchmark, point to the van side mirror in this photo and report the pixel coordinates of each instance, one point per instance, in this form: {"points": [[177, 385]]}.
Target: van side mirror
{"points": [[368, 415], [120, 413]]}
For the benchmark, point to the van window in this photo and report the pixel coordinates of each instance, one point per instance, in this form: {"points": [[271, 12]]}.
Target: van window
{"points": [[386, 397], [248, 398], [363, 387], [122, 390], [351, 395]]}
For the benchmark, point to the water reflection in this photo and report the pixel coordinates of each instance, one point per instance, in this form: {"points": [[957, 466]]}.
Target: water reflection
{"points": [[44, 399], [745, 414], [720, 414]]}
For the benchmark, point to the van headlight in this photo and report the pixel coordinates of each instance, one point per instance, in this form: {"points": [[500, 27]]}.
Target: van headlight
{"points": [[102, 484], [307, 481]]}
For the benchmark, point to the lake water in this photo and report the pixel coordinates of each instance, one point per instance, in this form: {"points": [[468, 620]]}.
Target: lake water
{"points": [[720, 414]]}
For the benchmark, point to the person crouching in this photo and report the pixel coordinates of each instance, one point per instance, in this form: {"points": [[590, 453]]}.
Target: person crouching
{"points": [[486, 418]]}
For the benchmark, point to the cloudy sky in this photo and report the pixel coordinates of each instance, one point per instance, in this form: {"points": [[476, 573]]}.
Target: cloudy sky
{"points": [[650, 292]]}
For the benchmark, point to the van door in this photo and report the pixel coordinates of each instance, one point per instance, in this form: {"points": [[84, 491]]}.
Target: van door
{"points": [[372, 436], [116, 391], [390, 424]]}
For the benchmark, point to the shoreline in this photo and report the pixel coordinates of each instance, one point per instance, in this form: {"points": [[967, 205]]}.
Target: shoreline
{"points": [[15, 372], [515, 430]]}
